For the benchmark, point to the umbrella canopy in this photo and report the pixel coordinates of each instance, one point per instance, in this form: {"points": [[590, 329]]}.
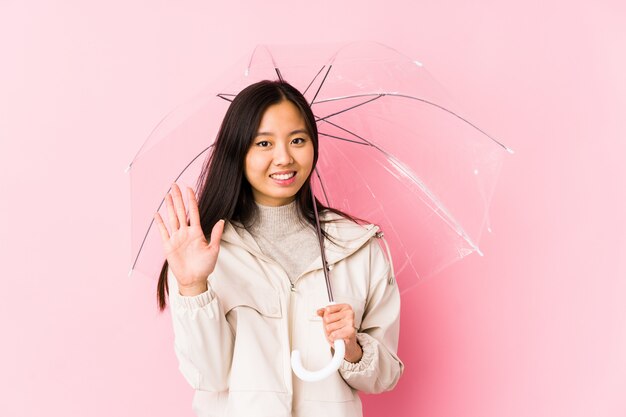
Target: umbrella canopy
{"points": [[393, 150]]}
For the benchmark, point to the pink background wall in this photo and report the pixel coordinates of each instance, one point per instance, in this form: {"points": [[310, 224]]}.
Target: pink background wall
{"points": [[537, 327]]}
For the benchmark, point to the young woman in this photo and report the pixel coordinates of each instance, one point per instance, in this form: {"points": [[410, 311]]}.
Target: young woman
{"points": [[255, 291]]}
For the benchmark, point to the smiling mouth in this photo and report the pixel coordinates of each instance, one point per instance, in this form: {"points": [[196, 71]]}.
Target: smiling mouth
{"points": [[283, 177]]}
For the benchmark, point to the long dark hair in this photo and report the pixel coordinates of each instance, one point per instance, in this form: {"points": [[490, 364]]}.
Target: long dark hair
{"points": [[225, 193]]}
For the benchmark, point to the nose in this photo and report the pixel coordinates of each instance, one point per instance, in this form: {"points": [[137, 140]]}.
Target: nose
{"points": [[282, 155]]}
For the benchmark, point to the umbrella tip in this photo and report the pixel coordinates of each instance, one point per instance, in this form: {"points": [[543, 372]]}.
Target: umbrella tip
{"points": [[419, 64], [130, 272], [509, 150], [128, 167]]}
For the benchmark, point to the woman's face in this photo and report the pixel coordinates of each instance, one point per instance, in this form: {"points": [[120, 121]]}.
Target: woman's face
{"points": [[280, 157]]}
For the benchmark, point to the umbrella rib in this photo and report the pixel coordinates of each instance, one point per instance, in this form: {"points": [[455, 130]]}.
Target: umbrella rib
{"points": [[264, 46], [322, 186], [344, 139], [321, 84], [314, 78], [448, 217], [509, 150], [280, 77], [161, 204], [251, 58], [350, 108], [221, 95], [353, 134]]}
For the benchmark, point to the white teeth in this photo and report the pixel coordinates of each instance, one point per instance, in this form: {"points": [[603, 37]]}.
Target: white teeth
{"points": [[283, 176]]}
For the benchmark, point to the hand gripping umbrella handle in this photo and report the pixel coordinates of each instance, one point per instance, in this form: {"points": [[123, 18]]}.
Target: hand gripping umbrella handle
{"points": [[339, 345], [332, 367]]}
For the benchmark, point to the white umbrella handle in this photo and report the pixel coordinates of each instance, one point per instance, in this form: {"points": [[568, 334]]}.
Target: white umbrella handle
{"points": [[325, 372], [332, 367]]}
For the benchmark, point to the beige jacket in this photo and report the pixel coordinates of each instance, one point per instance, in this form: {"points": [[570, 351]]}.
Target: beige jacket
{"points": [[234, 342]]}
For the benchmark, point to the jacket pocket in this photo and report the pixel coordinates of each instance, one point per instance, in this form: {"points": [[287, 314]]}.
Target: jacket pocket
{"points": [[318, 354], [265, 301], [255, 315]]}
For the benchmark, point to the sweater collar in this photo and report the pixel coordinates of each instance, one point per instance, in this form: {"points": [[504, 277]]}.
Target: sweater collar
{"points": [[276, 222], [349, 236]]}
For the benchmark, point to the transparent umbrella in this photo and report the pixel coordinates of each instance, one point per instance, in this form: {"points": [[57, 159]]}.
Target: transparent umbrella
{"points": [[393, 149]]}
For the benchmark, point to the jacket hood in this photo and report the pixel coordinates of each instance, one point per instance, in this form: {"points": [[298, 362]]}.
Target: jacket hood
{"points": [[349, 236]]}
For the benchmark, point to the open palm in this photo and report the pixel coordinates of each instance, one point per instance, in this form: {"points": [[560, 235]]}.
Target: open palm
{"points": [[189, 255]]}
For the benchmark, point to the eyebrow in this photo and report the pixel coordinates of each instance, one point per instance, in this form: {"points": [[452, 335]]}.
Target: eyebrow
{"points": [[291, 133]]}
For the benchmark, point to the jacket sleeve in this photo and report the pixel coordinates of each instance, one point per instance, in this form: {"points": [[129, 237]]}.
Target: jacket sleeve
{"points": [[203, 338], [379, 368]]}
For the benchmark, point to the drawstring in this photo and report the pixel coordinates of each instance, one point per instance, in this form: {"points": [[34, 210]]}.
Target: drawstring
{"points": [[392, 276]]}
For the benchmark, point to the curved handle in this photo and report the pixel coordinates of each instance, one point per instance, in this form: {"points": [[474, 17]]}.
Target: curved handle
{"points": [[333, 365]]}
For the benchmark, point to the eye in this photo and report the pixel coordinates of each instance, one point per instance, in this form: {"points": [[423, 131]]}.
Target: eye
{"points": [[301, 139], [263, 143]]}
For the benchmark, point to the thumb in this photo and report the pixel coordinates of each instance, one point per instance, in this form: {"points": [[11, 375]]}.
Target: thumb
{"points": [[216, 232]]}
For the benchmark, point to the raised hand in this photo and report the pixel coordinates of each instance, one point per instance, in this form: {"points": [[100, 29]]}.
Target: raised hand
{"points": [[188, 253]]}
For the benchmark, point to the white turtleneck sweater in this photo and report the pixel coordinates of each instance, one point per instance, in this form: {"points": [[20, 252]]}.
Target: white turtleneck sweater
{"points": [[284, 237]]}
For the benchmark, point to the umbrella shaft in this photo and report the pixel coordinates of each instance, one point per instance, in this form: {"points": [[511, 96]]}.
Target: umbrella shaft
{"points": [[321, 240]]}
